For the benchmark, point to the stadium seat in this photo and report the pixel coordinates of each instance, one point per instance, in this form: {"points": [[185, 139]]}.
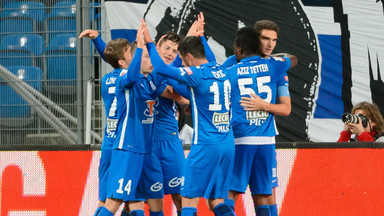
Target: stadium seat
{"points": [[61, 19], [95, 15], [22, 17], [5, 2], [14, 110], [60, 61], [21, 50]]}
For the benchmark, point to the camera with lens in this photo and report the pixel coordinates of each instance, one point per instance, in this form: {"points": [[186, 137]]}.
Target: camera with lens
{"points": [[354, 119]]}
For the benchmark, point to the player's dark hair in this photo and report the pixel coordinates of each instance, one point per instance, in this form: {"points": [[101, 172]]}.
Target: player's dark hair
{"points": [[172, 36], [192, 45], [247, 39], [114, 51], [266, 24]]}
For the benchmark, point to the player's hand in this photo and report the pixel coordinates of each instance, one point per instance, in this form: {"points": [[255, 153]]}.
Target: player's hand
{"points": [[140, 36], [253, 103], [187, 110], [197, 28], [89, 33], [201, 24], [146, 35], [192, 30]]}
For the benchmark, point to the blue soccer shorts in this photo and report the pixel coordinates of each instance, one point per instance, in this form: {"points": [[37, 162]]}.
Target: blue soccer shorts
{"points": [[162, 170], [105, 162], [207, 171], [275, 180], [253, 167], [124, 174]]}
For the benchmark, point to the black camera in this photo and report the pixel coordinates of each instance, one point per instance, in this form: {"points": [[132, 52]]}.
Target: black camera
{"points": [[354, 119]]}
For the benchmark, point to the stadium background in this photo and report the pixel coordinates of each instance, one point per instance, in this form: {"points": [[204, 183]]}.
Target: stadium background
{"points": [[50, 87]]}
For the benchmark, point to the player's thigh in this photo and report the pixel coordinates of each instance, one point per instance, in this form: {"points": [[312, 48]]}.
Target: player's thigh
{"points": [[124, 174], [105, 162], [261, 176], [151, 180], [202, 172], [243, 162], [171, 156]]}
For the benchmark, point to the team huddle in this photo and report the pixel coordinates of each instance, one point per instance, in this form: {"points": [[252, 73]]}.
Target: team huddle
{"points": [[232, 107]]}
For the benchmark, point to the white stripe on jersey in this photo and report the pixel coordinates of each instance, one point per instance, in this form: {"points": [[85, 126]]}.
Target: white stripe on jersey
{"points": [[274, 123], [255, 140], [196, 120], [121, 141]]}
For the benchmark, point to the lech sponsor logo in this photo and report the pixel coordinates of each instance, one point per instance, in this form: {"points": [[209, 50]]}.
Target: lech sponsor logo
{"points": [[220, 118]]}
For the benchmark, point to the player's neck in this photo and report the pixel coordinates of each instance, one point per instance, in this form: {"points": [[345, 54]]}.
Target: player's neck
{"points": [[144, 73], [201, 61]]}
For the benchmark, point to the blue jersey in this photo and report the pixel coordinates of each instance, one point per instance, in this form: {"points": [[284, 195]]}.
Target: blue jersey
{"points": [[261, 77], [166, 127], [135, 108], [209, 93], [108, 93]]}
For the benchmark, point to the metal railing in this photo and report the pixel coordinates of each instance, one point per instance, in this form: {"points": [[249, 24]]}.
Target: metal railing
{"points": [[51, 106]]}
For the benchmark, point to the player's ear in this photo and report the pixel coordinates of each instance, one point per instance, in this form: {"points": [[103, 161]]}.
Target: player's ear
{"points": [[121, 62], [189, 55], [240, 50]]}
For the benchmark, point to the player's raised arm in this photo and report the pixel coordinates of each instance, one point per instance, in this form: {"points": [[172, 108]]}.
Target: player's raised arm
{"points": [[134, 68], [197, 29], [158, 64], [96, 39]]}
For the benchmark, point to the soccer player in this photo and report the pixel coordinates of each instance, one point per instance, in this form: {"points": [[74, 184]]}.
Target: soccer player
{"points": [[135, 93], [108, 93], [254, 130], [210, 161], [268, 32]]}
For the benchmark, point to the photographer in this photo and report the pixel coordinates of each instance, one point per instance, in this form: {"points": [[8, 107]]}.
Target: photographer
{"points": [[364, 121]]}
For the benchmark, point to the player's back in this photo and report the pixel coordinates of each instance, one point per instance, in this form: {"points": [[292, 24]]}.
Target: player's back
{"points": [[210, 104], [259, 76], [108, 93]]}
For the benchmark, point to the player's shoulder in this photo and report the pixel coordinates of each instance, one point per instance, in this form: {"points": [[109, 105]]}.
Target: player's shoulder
{"points": [[121, 72], [279, 60]]}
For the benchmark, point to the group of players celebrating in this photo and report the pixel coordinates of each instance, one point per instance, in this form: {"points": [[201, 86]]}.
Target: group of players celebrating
{"points": [[232, 107]]}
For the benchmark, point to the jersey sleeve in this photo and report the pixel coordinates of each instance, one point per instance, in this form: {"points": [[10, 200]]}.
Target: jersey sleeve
{"points": [[180, 89], [129, 78], [177, 62], [176, 73], [283, 86], [208, 52], [160, 82], [100, 46], [284, 63], [231, 60]]}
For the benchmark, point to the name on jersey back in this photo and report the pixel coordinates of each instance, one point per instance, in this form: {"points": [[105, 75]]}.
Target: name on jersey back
{"points": [[252, 69]]}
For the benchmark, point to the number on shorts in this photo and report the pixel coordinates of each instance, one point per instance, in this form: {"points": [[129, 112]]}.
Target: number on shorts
{"points": [[127, 187]]}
